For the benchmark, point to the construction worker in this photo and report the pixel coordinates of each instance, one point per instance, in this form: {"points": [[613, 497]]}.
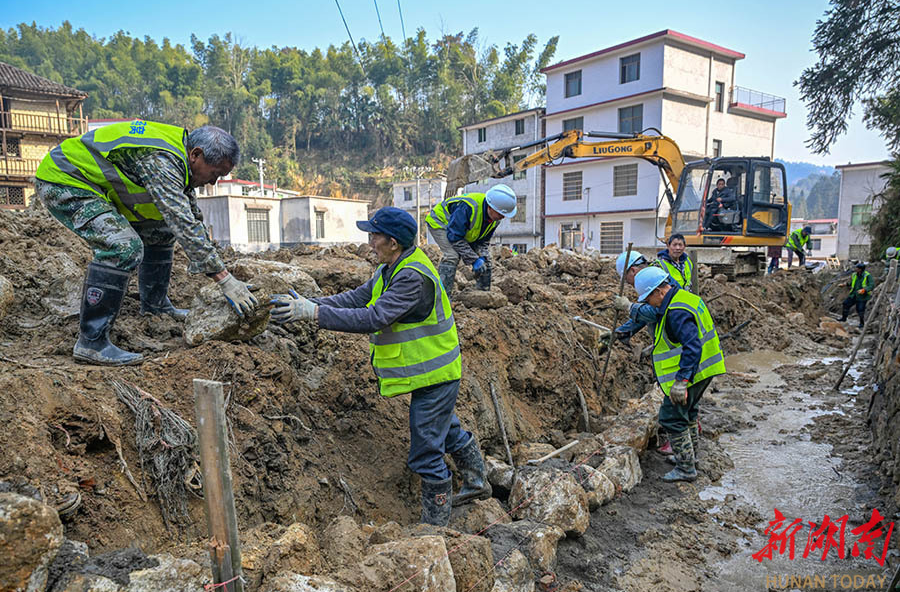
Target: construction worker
{"points": [[414, 349], [639, 315], [127, 189], [462, 226], [686, 355], [676, 262], [861, 285], [795, 244]]}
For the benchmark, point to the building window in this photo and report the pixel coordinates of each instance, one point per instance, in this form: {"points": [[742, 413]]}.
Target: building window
{"points": [[570, 236], [720, 96], [815, 244], [12, 196], [631, 119], [611, 237], [573, 84], [858, 252], [245, 190], [257, 225], [482, 134], [520, 127], [520, 209], [320, 224], [520, 248], [860, 214], [630, 68], [576, 123], [625, 180], [572, 186], [407, 194], [717, 148], [12, 147], [519, 174]]}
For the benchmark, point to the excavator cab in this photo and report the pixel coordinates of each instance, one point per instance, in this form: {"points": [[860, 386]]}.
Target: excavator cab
{"points": [[731, 201]]}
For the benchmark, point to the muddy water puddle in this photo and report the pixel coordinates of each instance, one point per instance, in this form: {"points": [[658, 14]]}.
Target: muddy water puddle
{"points": [[776, 465]]}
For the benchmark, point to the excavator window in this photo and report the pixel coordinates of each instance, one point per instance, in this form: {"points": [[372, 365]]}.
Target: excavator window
{"points": [[686, 211], [768, 205]]}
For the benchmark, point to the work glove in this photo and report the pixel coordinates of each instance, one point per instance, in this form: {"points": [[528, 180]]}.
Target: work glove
{"points": [[622, 303], [292, 307], [238, 295], [678, 392], [478, 268], [603, 337], [861, 291]]}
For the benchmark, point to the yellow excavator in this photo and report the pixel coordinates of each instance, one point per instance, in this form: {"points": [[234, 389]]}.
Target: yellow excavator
{"points": [[760, 218]]}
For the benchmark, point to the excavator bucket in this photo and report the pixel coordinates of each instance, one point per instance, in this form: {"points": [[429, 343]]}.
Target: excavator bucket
{"points": [[469, 169]]}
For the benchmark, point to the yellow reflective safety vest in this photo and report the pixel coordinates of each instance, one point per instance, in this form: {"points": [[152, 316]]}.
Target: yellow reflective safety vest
{"points": [[81, 162], [682, 277], [409, 356], [865, 283], [667, 354], [797, 241], [439, 217]]}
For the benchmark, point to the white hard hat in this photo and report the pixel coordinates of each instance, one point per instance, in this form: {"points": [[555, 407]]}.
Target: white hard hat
{"points": [[891, 252], [503, 199]]}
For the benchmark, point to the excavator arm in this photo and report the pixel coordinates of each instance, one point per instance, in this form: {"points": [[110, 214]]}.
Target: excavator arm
{"points": [[658, 149]]}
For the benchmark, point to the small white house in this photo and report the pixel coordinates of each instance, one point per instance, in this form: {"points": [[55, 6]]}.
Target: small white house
{"points": [[859, 182], [823, 239]]}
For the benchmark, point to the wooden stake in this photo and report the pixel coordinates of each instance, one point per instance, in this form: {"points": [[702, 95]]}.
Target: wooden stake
{"points": [[499, 415], [556, 452], [695, 273], [221, 519], [612, 334], [584, 409]]}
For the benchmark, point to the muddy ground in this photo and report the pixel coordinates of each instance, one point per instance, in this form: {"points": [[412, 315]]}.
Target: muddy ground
{"points": [[313, 440]]}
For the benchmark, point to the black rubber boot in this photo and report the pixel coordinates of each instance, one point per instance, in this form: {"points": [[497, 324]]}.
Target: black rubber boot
{"points": [[684, 458], [101, 299], [436, 501], [447, 273], [484, 282], [471, 469], [153, 283]]}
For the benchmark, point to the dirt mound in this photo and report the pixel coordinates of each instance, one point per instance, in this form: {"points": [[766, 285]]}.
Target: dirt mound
{"points": [[313, 440]]}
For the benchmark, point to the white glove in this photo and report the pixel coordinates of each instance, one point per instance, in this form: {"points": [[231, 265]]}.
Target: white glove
{"points": [[623, 304], [292, 307], [678, 392], [238, 295], [603, 337]]}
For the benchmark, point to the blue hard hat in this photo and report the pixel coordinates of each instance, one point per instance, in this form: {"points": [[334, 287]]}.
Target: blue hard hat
{"points": [[648, 280], [635, 259], [502, 199], [393, 222]]}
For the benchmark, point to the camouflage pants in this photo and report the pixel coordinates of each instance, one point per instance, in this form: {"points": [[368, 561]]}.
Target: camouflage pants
{"points": [[114, 240]]}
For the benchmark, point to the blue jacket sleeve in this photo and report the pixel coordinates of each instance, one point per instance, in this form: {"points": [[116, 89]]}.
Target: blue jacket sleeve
{"points": [[682, 326], [645, 314], [356, 298], [458, 225], [401, 296]]}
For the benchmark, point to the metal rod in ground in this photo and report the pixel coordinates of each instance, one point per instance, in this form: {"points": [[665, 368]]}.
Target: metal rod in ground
{"points": [[498, 413], [871, 313], [556, 452], [584, 409], [612, 334], [695, 273], [221, 519]]}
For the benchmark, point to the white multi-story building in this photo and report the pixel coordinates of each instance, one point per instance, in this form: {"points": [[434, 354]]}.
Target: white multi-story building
{"points": [[859, 182], [682, 86], [523, 231], [419, 195]]}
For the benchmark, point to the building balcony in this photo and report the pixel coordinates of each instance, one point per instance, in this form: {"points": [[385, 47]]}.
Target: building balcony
{"points": [[18, 167], [42, 123], [753, 102]]}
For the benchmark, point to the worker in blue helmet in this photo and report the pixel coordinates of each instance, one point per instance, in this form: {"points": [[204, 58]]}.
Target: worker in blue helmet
{"points": [[462, 226]]}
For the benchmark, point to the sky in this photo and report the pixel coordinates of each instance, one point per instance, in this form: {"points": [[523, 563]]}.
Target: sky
{"points": [[774, 34]]}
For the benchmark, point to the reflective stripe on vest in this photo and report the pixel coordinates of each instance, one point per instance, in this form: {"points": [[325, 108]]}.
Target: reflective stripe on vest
{"points": [[82, 162], [409, 356], [683, 278], [667, 354], [865, 284], [439, 216]]}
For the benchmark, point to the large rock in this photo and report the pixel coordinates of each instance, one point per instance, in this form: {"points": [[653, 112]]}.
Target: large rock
{"points": [[535, 540], [470, 557], [599, 488], [343, 542], [513, 574], [299, 280], [335, 275], [499, 473], [297, 550], [30, 536], [797, 318], [487, 299], [551, 496], [421, 560], [477, 516], [634, 423], [526, 451], [291, 582], [7, 295], [212, 318], [171, 575], [622, 466]]}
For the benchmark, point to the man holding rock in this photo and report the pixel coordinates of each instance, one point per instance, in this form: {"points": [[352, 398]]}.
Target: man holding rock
{"points": [[127, 189], [462, 226], [414, 349]]}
